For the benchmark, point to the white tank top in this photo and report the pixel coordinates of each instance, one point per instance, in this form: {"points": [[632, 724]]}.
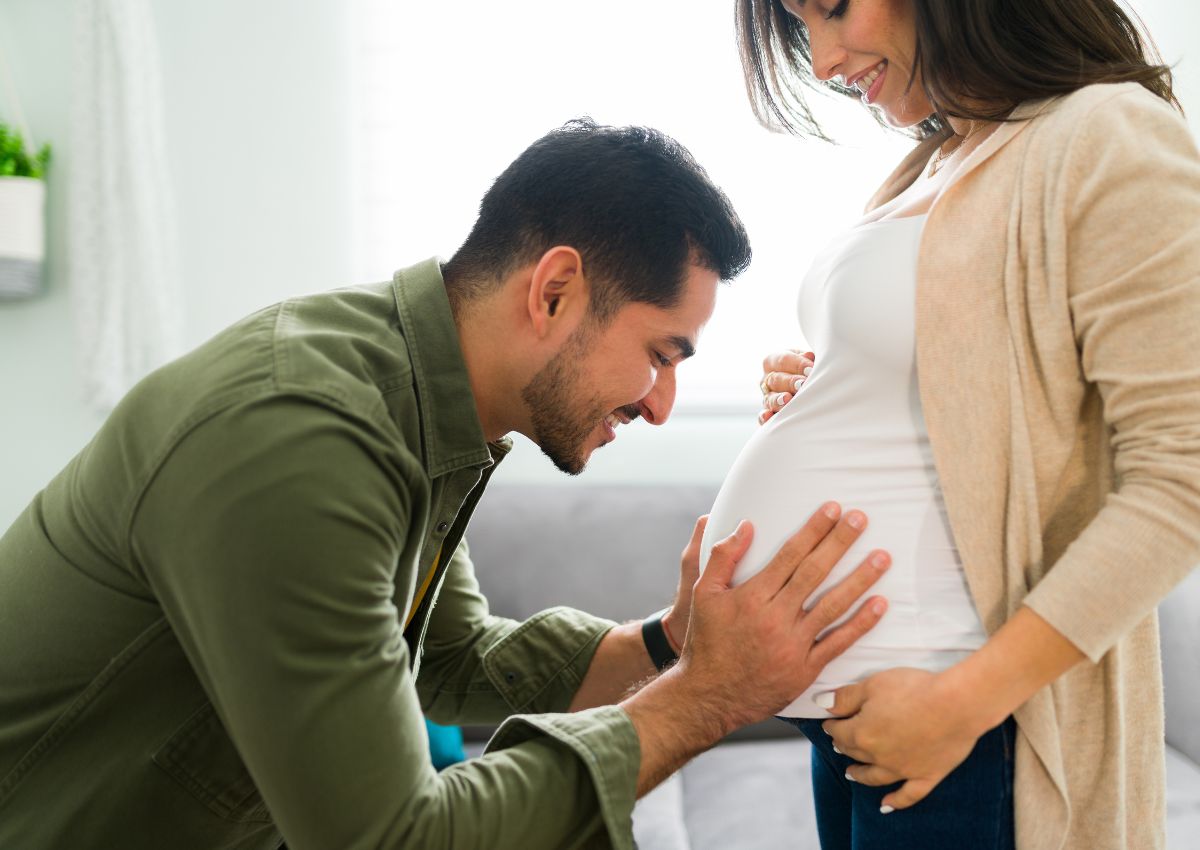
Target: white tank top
{"points": [[855, 434]]}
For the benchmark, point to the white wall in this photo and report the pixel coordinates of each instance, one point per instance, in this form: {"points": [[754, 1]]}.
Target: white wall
{"points": [[257, 100], [42, 420], [258, 144]]}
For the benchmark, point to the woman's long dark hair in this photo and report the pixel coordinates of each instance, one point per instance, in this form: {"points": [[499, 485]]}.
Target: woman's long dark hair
{"points": [[993, 52]]}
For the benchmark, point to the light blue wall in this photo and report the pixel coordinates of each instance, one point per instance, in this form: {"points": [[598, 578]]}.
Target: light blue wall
{"points": [[257, 127]]}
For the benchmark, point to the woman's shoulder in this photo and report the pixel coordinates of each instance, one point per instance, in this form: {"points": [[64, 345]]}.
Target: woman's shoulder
{"points": [[1116, 106]]}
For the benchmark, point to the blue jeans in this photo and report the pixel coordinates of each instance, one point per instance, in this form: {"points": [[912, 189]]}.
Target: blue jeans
{"points": [[972, 807]]}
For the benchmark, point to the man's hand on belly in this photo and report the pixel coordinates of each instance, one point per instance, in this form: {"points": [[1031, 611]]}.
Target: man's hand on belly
{"points": [[675, 621], [755, 645], [752, 649]]}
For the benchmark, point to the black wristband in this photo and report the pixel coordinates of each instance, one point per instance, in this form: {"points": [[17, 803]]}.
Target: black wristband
{"points": [[657, 643]]}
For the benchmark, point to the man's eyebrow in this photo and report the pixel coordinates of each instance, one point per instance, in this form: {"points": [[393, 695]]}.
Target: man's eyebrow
{"points": [[686, 349]]}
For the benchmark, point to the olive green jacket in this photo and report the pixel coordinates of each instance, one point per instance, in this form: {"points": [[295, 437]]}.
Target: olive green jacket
{"points": [[202, 639]]}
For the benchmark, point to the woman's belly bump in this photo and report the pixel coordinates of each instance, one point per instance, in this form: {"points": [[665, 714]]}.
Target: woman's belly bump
{"points": [[855, 434], [809, 454]]}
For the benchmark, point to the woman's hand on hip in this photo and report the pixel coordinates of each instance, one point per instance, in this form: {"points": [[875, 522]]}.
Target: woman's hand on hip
{"points": [[903, 725], [783, 374]]}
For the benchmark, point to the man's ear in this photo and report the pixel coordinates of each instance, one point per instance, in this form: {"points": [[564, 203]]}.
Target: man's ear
{"points": [[558, 292]]}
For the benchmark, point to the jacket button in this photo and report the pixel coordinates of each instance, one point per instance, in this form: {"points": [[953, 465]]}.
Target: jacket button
{"points": [[510, 677], [442, 526]]}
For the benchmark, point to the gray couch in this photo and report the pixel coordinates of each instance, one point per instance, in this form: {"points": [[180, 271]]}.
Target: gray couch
{"points": [[614, 551]]}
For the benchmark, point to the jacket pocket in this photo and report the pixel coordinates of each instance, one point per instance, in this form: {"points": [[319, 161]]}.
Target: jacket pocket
{"points": [[201, 758]]}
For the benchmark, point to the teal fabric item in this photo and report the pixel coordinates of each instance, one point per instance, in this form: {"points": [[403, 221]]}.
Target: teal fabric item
{"points": [[445, 744]]}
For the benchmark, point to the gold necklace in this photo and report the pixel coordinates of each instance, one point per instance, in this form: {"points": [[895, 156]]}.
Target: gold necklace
{"points": [[976, 128], [942, 155]]}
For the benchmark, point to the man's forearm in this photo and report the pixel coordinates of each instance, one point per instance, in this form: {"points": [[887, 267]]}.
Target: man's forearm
{"points": [[620, 664], [673, 724]]}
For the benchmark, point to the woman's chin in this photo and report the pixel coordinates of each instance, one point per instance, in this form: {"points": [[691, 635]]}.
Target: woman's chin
{"points": [[903, 115], [901, 121]]}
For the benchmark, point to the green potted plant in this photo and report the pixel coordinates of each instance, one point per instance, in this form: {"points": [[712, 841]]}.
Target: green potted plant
{"points": [[22, 214]]}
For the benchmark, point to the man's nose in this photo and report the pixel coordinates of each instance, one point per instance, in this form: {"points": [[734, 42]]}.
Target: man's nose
{"points": [[828, 55], [655, 408]]}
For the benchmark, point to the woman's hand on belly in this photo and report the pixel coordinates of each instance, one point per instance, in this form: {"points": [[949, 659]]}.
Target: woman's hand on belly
{"points": [[784, 372], [902, 725]]}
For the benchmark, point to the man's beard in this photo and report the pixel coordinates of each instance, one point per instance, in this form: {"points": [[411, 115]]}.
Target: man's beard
{"points": [[561, 424]]}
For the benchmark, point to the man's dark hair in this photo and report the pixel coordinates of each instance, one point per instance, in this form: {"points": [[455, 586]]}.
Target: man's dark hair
{"points": [[632, 201]]}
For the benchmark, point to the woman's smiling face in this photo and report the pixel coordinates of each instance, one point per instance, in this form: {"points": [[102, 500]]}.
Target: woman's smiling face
{"points": [[870, 45]]}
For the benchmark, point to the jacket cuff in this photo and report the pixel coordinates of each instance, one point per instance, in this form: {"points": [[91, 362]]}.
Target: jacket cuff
{"points": [[1094, 595], [605, 740], [538, 667]]}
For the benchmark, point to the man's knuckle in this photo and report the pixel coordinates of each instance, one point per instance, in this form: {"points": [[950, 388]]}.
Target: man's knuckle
{"points": [[827, 610], [827, 649], [856, 585]]}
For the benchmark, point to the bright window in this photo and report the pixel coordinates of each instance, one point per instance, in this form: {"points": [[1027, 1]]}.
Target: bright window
{"points": [[449, 93]]}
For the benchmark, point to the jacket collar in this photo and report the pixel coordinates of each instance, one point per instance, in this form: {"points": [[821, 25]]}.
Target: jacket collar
{"points": [[451, 435], [913, 165], [1018, 120]]}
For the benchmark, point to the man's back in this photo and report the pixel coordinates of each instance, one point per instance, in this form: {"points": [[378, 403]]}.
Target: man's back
{"points": [[103, 718]]}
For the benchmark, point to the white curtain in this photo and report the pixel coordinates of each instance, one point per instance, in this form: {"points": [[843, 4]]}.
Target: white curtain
{"points": [[122, 254]]}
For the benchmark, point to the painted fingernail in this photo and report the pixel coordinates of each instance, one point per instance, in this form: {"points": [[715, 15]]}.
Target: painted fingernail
{"points": [[831, 510], [836, 750], [799, 383], [878, 607], [879, 560], [849, 777], [806, 371], [886, 810], [856, 519], [825, 700]]}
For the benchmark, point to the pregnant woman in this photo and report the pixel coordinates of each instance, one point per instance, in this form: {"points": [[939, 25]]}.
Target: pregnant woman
{"points": [[1007, 381]]}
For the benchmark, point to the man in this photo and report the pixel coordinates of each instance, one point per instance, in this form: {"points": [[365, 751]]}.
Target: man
{"points": [[218, 623]]}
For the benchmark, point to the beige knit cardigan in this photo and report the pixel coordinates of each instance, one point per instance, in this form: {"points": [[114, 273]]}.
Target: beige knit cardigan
{"points": [[1058, 353]]}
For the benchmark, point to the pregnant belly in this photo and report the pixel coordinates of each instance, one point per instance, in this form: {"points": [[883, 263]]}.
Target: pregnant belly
{"points": [[779, 481]]}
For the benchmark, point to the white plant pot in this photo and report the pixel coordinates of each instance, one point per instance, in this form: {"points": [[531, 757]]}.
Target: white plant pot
{"points": [[22, 236]]}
